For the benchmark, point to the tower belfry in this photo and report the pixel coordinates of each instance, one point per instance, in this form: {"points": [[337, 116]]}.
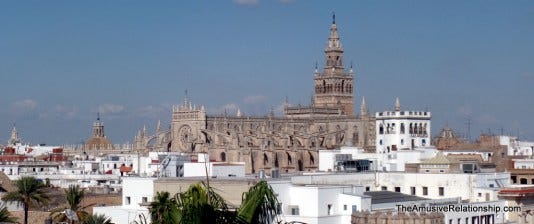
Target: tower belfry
{"points": [[334, 86], [14, 139]]}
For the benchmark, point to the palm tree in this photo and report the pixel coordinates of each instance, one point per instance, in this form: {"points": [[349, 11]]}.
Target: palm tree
{"points": [[74, 196], [97, 219], [5, 216], [29, 193], [201, 204], [259, 204], [163, 209]]}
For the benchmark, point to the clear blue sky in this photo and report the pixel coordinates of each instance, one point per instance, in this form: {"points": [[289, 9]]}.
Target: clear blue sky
{"points": [[62, 61]]}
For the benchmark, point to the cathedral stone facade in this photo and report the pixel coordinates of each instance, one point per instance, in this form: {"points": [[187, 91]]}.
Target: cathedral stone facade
{"points": [[289, 143]]}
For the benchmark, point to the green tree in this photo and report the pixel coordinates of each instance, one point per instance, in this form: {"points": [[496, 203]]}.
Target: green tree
{"points": [[163, 209], [259, 204], [97, 219], [74, 196], [29, 193], [5, 216], [201, 204]]}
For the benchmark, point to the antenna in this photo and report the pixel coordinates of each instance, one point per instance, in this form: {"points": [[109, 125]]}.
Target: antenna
{"points": [[468, 123]]}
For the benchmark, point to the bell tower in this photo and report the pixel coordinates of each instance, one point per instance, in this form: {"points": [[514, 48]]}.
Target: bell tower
{"points": [[334, 86]]}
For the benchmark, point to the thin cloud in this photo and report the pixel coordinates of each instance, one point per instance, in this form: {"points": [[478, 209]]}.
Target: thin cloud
{"points": [[486, 119], [65, 111], [229, 108], [254, 99], [25, 105], [110, 108], [246, 2], [151, 111], [465, 110]]}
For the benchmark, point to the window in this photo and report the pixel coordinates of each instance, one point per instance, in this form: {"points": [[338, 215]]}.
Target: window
{"points": [[344, 207], [384, 188], [397, 189], [329, 207], [144, 200], [412, 190], [279, 208], [354, 208], [425, 190], [295, 211], [127, 200], [441, 191], [367, 188]]}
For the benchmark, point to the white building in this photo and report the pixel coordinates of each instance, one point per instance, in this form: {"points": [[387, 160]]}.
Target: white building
{"points": [[315, 204], [523, 163], [214, 169], [467, 186], [393, 161], [517, 147], [332, 198], [398, 130], [137, 193]]}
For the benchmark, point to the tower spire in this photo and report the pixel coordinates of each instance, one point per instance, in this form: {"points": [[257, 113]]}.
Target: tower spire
{"points": [[397, 105], [334, 50], [363, 108], [334, 86]]}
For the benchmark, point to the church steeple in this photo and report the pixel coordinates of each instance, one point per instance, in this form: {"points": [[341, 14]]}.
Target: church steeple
{"points": [[334, 86], [14, 139], [334, 51], [397, 104], [98, 127], [363, 108]]}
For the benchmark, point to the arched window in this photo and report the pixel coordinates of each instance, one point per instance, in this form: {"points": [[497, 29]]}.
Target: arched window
{"points": [[223, 156], [381, 129], [411, 128], [420, 129], [289, 159], [312, 159], [265, 159], [402, 128]]}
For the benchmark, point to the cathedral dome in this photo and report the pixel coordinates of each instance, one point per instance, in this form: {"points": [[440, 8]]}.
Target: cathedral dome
{"points": [[97, 143], [98, 140]]}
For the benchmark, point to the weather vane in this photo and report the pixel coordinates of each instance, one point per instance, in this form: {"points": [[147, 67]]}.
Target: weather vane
{"points": [[333, 17]]}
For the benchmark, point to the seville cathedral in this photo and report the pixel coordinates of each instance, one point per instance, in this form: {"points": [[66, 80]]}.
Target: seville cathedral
{"points": [[289, 143]]}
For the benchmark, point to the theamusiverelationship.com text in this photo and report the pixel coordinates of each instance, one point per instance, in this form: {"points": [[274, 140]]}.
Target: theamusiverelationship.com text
{"points": [[457, 208]]}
